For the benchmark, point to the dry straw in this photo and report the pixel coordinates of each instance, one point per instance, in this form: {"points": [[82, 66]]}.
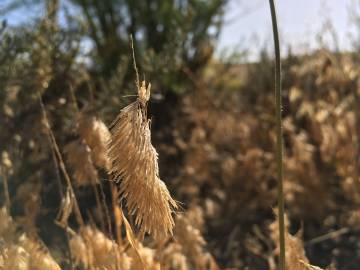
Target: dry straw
{"points": [[135, 161]]}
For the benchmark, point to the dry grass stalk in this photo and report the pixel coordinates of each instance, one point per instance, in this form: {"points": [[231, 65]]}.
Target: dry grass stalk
{"points": [[78, 155], [3, 175], [309, 266], [6, 168], [7, 228], [121, 219], [67, 204], [135, 161], [59, 159]]}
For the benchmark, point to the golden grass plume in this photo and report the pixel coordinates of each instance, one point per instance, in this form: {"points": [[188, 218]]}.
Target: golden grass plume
{"points": [[96, 135], [135, 161]]}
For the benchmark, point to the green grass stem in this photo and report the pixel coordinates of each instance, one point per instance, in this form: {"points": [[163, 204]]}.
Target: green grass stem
{"points": [[279, 136]]}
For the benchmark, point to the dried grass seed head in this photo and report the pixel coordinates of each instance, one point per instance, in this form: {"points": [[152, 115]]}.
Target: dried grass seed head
{"points": [[188, 235], [93, 250], [295, 253], [96, 135], [135, 161], [78, 155]]}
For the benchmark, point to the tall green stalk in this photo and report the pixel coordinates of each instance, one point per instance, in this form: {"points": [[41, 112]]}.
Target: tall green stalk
{"points": [[279, 141]]}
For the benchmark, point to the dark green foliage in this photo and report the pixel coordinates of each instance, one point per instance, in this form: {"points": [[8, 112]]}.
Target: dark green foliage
{"points": [[170, 36]]}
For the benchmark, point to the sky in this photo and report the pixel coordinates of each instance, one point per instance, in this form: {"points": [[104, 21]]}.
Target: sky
{"points": [[247, 23], [248, 26]]}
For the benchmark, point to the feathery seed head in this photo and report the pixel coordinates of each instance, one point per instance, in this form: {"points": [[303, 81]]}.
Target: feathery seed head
{"points": [[92, 249], [96, 135], [134, 160], [78, 155]]}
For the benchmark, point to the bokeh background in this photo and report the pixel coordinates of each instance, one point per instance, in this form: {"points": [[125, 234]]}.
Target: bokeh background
{"points": [[211, 67]]}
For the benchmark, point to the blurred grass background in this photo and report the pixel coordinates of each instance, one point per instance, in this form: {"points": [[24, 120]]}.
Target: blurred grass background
{"points": [[212, 116]]}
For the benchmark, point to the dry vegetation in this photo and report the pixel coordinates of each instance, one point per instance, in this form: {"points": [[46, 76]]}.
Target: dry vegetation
{"points": [[225, 177], [81, 190], [233, 165]]}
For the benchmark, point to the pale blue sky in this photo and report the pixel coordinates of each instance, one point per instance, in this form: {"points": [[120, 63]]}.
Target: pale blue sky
{"points": [[300, 21], [248, 23]]}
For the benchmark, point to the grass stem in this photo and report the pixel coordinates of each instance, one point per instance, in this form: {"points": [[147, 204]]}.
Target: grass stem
{"points": [[60, 160], [279, 141], [6, 188]]}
